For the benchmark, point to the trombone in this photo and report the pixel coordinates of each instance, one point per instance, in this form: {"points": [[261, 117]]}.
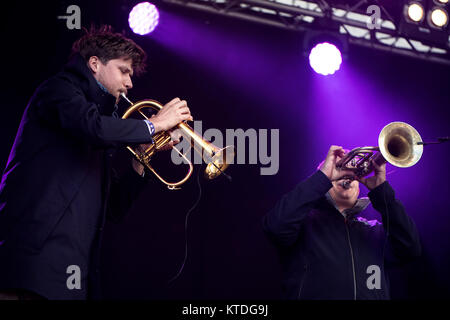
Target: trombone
{"points": [[398, 143]]}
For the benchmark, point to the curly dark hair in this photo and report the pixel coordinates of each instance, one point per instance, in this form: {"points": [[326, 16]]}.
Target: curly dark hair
{"points": [[107, 45]]}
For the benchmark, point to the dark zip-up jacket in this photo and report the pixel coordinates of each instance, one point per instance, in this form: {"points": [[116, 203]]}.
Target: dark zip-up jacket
{"points": [[325, 255]]}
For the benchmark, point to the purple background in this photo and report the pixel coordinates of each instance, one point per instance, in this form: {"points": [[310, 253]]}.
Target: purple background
{"points": [[241, 75]]}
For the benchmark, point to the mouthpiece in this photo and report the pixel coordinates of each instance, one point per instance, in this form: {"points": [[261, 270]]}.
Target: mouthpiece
{"points": [[125, 97], [346, 184]]}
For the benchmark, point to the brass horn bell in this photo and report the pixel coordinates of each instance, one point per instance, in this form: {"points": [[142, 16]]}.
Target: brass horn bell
{"points": [[397, 144]]}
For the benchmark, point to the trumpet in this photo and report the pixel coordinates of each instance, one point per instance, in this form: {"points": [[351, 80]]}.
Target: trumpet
{"points": [[217, 159], [398, 143]]}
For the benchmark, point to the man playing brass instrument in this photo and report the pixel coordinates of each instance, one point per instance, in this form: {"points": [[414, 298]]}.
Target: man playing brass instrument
{"points": [[327, 249], [58, 185]]}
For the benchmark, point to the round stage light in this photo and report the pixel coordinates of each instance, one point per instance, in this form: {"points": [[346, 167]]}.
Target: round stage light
{"points": [[143, 18], [439, 17], [415, 12], [441, 1], [325, 58]]}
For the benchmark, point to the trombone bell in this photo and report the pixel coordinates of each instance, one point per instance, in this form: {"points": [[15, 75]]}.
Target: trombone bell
{"points": [[397, 144]]}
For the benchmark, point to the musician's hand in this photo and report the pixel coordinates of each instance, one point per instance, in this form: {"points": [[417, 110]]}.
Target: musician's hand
{"points": [[378, 178], [175, 136], [328, 166], [171, 114]]}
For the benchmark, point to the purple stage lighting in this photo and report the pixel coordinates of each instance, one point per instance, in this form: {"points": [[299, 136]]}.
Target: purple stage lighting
{"points": [[143, 18], [325, 58]]}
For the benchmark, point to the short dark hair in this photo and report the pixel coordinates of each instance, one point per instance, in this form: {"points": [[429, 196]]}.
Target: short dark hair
{"points": [[107, 45]]}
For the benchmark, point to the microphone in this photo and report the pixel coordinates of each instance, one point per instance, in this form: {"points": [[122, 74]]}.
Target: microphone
{"points": [[439, 140]]}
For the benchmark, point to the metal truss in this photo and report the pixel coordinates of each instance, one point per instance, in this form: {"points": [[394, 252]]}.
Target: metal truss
{"points": [[348, 19]]}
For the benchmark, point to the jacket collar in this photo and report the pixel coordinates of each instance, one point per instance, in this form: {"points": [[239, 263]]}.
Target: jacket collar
{"points": [[360, 205], [77, 66]]}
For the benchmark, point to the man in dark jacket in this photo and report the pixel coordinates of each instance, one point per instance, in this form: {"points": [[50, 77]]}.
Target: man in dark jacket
{"points": [[58, 185], [326, 249]]}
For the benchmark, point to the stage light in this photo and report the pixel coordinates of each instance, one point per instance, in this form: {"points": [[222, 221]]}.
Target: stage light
{"points": [[325, 58], [143, 18], [438, 17], [441, 1], [415, 11], [433, 31]]}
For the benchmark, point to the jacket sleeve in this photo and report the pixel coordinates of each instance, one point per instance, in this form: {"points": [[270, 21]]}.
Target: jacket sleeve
{"points": [[282, 224], [402, 233], [61, 104], [124, 190]]}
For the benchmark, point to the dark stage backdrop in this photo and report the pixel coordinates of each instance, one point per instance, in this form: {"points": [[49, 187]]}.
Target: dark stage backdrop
{"points": [[241, 75]]}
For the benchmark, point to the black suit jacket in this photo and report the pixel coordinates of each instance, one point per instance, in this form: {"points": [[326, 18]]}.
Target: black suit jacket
{"points": [[63, 148]]}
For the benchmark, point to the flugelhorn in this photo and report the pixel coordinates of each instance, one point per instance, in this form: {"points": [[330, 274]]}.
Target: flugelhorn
{"points": [[398, 143], [217, 159]]}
